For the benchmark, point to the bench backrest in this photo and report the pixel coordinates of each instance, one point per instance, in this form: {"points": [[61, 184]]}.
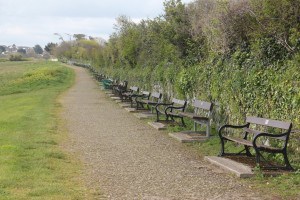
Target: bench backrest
{"points": [[146, 94], [203, 107], [134, 89], [156, 96], [179, 102], [286, 126], [123, 85], [269, 122]]}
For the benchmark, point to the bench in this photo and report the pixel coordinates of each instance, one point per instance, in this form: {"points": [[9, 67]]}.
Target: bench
{"points": [[150, 102], [107, 83], [98, 76], [171, 110], [120, 88], [202, 115], [273, 139], [129, 94], [144, 95]]}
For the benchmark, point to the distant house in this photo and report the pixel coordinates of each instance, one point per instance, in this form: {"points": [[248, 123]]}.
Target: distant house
{"points": [[12, 49]]}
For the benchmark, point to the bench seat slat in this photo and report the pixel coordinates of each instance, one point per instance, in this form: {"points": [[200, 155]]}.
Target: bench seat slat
{"points": [[249, 143], [193, 116], [186, 114], [254, 132], [239, 140], [173, 114], [146, 101]]}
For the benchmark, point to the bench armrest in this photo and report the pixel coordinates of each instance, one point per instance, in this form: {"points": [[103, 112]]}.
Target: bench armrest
{"points": [[158, 105], [231, 126], [164, 104], [282, 136], [141, 96], [174, 107]]}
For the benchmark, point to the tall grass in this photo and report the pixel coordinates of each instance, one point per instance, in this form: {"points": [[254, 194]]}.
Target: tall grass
{"points": [[32, 163]]}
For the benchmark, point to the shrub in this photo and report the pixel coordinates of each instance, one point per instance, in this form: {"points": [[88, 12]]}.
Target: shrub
{"points": [[16, 57]]}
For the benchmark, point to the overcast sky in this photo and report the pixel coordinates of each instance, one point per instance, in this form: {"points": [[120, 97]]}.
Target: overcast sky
{"points": [[31, 22]]}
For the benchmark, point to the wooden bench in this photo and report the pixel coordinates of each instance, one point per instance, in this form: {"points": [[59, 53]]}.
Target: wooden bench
{"points": [[107, 83], [120, 88], [201, 115], [273, 139], [98, 76], [144, 95], [171, 110], [129, 94], [150, 102]]}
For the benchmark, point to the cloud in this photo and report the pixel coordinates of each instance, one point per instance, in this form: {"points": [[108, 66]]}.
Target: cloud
{"points": [[35, 21], [87, 8]]}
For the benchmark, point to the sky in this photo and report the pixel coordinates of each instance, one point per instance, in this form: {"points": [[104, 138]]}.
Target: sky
{"points": [[31, 22]]}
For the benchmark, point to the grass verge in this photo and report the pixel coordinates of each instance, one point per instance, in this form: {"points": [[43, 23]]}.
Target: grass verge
{"points": [[33, 165]]}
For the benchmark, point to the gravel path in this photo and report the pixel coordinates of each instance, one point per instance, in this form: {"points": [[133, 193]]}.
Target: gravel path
{"points": [[125, 158]]}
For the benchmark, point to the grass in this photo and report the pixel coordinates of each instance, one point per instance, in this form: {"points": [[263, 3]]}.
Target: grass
{"points": [[33, 165]]}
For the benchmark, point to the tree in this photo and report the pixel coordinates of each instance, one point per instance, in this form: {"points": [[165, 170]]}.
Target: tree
{"points": [[38, 49], [15, 57], [177, 27], [278, 19], [2, 49], [21, 50], [79, 36], [50, 47]]}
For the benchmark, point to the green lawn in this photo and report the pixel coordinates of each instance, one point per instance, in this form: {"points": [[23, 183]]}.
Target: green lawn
{"points": [[32, 162]]}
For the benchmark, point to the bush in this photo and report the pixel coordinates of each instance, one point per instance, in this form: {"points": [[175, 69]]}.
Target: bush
{"points": [[16, 57]]}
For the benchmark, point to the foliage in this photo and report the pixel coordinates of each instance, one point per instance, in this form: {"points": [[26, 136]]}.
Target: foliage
{"points": [[16, 57], [21, 51], [79, 36], [2, 49], [50, 47], [38, 49]]}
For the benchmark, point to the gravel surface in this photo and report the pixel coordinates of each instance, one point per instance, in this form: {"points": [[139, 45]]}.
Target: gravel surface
{"points": [[124, 158]]}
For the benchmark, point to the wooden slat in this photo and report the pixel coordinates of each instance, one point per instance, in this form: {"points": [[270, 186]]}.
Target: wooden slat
{"points": [[134, 88], [178, 101], [249, 143], [187, 114], [239, 140], [146, 93], [255, 132], [202, 104], [193, 116], [269, 122], [156, 95], [173, 114], [149, 102]]}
